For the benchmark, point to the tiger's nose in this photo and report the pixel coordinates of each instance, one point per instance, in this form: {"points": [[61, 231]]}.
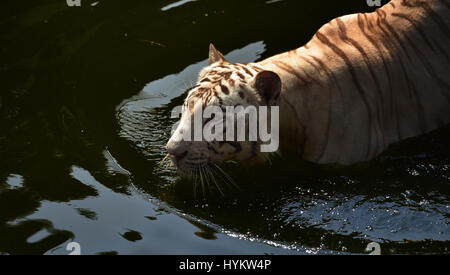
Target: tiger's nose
{"points": [[176, 150], [178, 157]]}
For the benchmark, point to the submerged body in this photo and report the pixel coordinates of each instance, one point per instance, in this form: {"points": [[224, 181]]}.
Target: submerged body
{"points": [[363, 82]]}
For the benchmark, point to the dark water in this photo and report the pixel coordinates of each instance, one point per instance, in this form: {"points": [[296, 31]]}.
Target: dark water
{"points": [[85, 100]]}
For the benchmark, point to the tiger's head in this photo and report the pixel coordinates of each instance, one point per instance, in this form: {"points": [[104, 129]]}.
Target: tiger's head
{"points": [[221, 85]]}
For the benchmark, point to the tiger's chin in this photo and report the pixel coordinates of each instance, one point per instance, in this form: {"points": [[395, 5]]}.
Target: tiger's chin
{"points": [[192, 170], [204, 168]]}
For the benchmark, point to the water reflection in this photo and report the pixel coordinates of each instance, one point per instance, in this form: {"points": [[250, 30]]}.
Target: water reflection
{"points": [[15, 181], [176, 4]]}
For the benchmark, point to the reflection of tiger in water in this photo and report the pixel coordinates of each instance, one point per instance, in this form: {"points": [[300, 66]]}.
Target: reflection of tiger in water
{"points": [[363, 82]]}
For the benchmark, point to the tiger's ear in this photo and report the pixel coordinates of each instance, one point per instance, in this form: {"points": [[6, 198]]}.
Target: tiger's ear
{"points": [[268, 85], [215, 55]]}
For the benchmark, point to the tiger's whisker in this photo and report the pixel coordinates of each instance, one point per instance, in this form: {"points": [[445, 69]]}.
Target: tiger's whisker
{"points": [[215, 182], [195, 184], [202, 183], [228, 177], [205, 170], [223, 178], [163, 160]]}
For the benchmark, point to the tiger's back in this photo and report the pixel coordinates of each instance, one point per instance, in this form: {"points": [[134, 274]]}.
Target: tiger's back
{"points": [[365, 81]]}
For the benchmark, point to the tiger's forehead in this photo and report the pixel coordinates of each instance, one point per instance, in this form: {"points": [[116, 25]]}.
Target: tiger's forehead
{"points": [[218, 81], [228, 71]]}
